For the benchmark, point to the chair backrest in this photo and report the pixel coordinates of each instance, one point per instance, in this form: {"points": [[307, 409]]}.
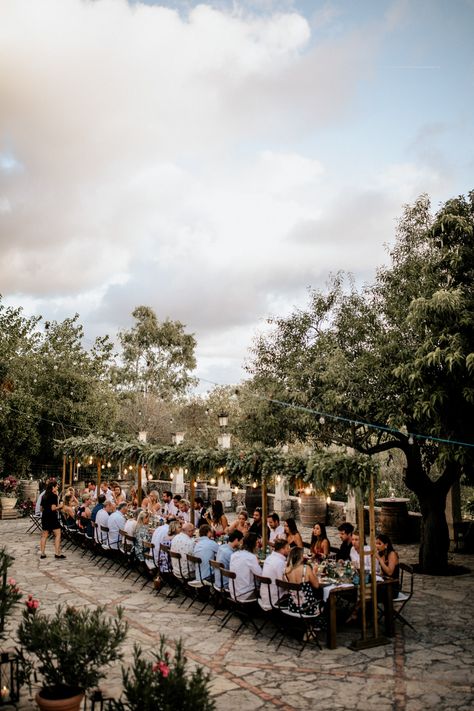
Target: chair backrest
{"points": [[173, 555], [231, 577], [216, 568], [262, 581], [406, 570], [197, 562], [149, 552]]}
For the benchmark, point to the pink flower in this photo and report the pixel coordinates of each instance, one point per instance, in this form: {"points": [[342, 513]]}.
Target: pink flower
{"points": [[164, 669], [155, 667], [35, 604], [11, 581]]}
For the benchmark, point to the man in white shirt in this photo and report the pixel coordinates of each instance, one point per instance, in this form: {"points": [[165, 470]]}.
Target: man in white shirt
{"points": [[159, 534], [184, 513], [245, 565], [273, 568], [355, 554], [102, 519], [183, 543], [117, 521], [169, 507], [276, 529]]}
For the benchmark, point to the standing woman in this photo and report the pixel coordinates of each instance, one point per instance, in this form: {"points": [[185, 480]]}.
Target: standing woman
{"points": [[50, 507], [320, 546]]}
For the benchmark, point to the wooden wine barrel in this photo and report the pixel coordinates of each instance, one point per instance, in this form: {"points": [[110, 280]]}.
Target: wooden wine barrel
{"points": [[30, 489], [313, 508], [394, 520], [253, 499]]}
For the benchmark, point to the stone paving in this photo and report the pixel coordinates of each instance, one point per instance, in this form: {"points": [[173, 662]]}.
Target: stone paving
{"points": [[429, 669]]}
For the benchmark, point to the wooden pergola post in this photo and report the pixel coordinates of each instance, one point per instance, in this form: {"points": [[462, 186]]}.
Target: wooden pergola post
{"points": [[99, 471], [264, 514], [192, 497], [64, 474], [139, 484], [71, 461]]}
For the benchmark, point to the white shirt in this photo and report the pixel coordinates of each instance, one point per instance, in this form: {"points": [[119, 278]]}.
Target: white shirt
{"points": [[183, 544], [159, 534], [274, 568], [278, 532], [101, 519], [244, 564], [38, 503], [183, 516], [355, 558], [116, 521], [170, 509], [130, 526]]}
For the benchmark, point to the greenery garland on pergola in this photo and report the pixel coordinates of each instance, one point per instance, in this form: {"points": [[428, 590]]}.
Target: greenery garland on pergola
{"points": [[319, 467]]}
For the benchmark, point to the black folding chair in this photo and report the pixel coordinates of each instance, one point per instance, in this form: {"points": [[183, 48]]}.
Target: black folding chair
{"points": [[308, 624]]}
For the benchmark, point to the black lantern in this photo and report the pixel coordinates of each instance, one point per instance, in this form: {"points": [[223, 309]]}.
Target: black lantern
{"points": [[9, 684]]}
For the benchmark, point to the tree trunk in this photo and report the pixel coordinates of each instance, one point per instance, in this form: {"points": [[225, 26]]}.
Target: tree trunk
{"points": [[434, 545]]}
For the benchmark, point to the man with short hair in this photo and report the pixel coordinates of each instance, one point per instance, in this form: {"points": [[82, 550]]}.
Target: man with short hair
{"points": [[223, 556], [345, 534], [199, 512], [117, 521], [273, 568], [183, 513], [104, 489], [276, 529], [102, 519], [257, 525], [206, 549], [99, 505], [245, 565], [183, 543], [168, 504]]}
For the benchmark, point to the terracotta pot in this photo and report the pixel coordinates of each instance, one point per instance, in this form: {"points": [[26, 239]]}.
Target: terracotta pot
{"points": [[7, 502], [73, 703]]}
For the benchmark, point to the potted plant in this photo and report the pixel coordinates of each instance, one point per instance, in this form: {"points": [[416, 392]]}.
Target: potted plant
{"points": [[8, 492], [9, 591], [72, 648], [163, 684]]}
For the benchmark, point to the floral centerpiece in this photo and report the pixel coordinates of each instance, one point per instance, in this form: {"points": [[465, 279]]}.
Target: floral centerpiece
{"points": [[72, 649], [163, 683]]}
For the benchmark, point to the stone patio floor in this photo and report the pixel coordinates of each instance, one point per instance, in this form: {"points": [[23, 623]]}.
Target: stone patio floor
{"points": [[429, 669]]}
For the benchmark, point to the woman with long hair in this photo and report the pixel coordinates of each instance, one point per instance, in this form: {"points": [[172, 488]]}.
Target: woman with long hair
{"points": [[298, 571], [173, 529], [142, 533], [50, 508], [292, 534], [241, 523], [68, 511], [320, 545], [387, 558], [218, 520]]}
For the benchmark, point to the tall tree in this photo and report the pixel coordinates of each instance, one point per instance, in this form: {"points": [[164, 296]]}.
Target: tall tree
{"points": [[399, 354]]}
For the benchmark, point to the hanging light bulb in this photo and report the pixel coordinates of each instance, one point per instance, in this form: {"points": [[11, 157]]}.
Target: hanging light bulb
{"points": [[333, 489], [322, 420], [328, 500], [212, 481], [150, 477], [90, 460], [195, 484], [171, 476], [102, 466], [236, 489], [278, 479], [109, 465], [125, 471], [254, 485], [307, 491]]}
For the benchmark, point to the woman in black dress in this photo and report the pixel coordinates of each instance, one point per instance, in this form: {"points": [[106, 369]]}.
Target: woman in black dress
{"points": [[49, 519]]}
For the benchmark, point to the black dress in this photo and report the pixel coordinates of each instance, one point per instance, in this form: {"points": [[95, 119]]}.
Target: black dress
{"points": [[49, 518]]}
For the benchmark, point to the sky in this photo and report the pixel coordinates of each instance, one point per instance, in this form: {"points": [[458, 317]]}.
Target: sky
{"points": [[214, 160]]}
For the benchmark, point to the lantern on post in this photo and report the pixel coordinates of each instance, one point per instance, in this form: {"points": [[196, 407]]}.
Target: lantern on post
{"points": [[9, 678]]}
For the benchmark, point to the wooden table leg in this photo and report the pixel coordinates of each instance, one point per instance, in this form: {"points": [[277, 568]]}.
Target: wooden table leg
{"points": [[332, 623]]}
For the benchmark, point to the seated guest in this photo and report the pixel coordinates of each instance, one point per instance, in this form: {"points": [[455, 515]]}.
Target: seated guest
{"points": [[131, 522], [292, 534], [104, 489], [257, 524], [274, 568], [217, 520], [388, 560], [169, 508], [224, 554], [142, 533], [319, 546], [117, 521], [176, 499], [117, 493], [200, 512], [356, 553], [183, 513], [206, 549], [244, 564], [297, 571], [83, 514], [241, 523], [74, 500], [68, 512], [174, 527], [345, 534], [102, 519], [183, 543], [276, 529], [132, 497], [99, 505], [152, 503]]}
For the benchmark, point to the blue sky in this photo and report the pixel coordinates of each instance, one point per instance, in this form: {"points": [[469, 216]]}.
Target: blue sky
{"points": [[213, 160]]}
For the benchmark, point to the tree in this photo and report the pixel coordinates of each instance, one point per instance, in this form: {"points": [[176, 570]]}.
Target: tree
{"points": [[398, 355], [157, 357]]}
